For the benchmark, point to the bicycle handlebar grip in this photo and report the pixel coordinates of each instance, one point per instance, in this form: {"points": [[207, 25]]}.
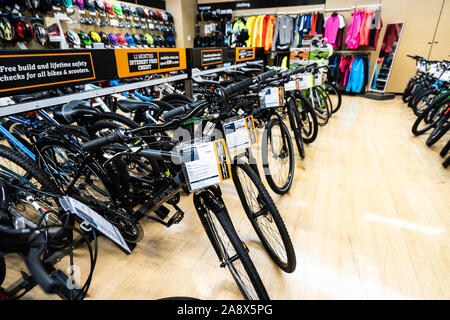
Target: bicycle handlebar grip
{"points": [[286, 73], [37, 271], [266, 75], [175, 112], [100, 142], [235, 88], [298, 70]]}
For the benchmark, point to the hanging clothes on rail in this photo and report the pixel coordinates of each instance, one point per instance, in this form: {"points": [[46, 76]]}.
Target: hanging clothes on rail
{"points": [[268, 26], [333, 29], [365, 28], [354, 28], [283, 35], [375, 29]]}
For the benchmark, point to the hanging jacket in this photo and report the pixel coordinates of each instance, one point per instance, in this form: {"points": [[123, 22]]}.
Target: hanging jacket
{"points": [[249, 27], [313, 24], [332, 25], [237, 26], [390, 37], [320, 24], [375, 29], [365, 28], [283, 34], [268, 34], [352, 38], [257, 31]]}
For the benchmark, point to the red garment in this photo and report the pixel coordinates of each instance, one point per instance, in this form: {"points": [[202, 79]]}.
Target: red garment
{"points": [[390, 37], [313, 23], [377, 34]]}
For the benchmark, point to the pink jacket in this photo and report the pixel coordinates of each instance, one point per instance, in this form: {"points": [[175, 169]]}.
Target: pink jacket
{"points": [[365, 28], [352, 37], [331, 29]]}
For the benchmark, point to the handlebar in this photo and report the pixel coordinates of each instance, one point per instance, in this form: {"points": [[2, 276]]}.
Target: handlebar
{"points": [[102, 141], [36, 268], [175, 112]]}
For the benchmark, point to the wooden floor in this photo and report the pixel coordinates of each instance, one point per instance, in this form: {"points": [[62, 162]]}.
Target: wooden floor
{"points": [[368, 213]]}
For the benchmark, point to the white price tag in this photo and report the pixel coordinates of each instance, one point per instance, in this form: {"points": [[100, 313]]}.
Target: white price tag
{"points": [[76, 46], [272, 97], [69, 10], [240, 134], [92, 13], [205, 163], [143, 19], [82, 12], [56, 8], [95, 220], [54, 38], [88, 46], [111, 16], [291, 85], [22, 45], [305, 81], [318, 80]]}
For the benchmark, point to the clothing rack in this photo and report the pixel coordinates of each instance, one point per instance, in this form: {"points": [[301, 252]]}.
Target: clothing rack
{"points": [[353, 51], [376, 5], [318, 9]]}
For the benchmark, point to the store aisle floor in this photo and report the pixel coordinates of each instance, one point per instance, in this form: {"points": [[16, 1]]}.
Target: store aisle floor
{"points": [[368, 213]]}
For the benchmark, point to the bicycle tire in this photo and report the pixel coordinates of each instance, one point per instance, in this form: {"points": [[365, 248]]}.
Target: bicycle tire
{"points": [[424, 96], [338, 94], [207, 203], [423, 116], [446, 162], [309, 118], [296, 126], [262, 202], [286, 150], [445, 150], [321, 109], [441, 129]]}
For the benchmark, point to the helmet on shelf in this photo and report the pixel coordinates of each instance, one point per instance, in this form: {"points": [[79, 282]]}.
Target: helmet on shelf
{"points": [[79, 4], [133, 11], [66, 3], [146, 13], [129, 39], [45, 5], [6, 30], [121, 39], [143, 39], [40, 34], [169, 17], [140, 12], [149, 39], [72, 38], [125, 9], [100, 6], [84, 38], [89, 5], [113, 39], [108, 7], [117, 8], [104, 38], [95, 37], [22, 31], [137, 39]]}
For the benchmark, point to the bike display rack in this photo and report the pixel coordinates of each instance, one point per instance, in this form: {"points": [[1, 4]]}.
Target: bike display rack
{"points": [[25, 72]]}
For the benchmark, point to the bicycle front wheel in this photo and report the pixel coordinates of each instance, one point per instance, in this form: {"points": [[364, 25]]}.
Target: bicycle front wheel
{"points": [[230, 249], [278, 156], [264, 216]]}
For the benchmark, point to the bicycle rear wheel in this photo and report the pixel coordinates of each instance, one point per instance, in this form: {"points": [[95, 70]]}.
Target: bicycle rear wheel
{"points": [[264, 216], [2, 270], [334, 95], [230, 249], [278, 156]]}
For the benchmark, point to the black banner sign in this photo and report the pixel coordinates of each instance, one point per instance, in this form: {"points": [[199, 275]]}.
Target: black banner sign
{"points": [[213, 56], [243, 54], [142, 61], [24, 71], [257, 4], [169, 60]]}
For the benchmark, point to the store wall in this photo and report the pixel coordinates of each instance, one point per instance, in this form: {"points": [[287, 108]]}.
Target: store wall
{"points": [[421, 19], [184, 14]]}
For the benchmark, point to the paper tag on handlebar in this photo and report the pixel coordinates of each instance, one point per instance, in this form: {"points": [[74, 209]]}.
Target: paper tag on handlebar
{"points": [[95, 220], [272, 97], [318, 80], [205, 163], [291, 85], [305, 81], [240, 133]]}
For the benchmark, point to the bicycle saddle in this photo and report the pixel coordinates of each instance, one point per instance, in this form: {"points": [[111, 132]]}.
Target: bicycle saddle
{"points": [[134, 105], [75, 111]]}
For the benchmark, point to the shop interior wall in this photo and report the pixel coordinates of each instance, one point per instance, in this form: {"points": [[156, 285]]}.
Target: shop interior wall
{"points": [[184, 14], [88, 28], [420, 17]]}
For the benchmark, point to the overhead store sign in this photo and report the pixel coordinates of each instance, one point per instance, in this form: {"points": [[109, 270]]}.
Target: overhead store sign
{"points": [[26, 71], [257, 4], [135, 62], [214, 56], [243, 54]]}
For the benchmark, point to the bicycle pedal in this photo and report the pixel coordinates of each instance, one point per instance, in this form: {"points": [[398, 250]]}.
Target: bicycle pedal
{"points": [[176, 218], [162, 212]]}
